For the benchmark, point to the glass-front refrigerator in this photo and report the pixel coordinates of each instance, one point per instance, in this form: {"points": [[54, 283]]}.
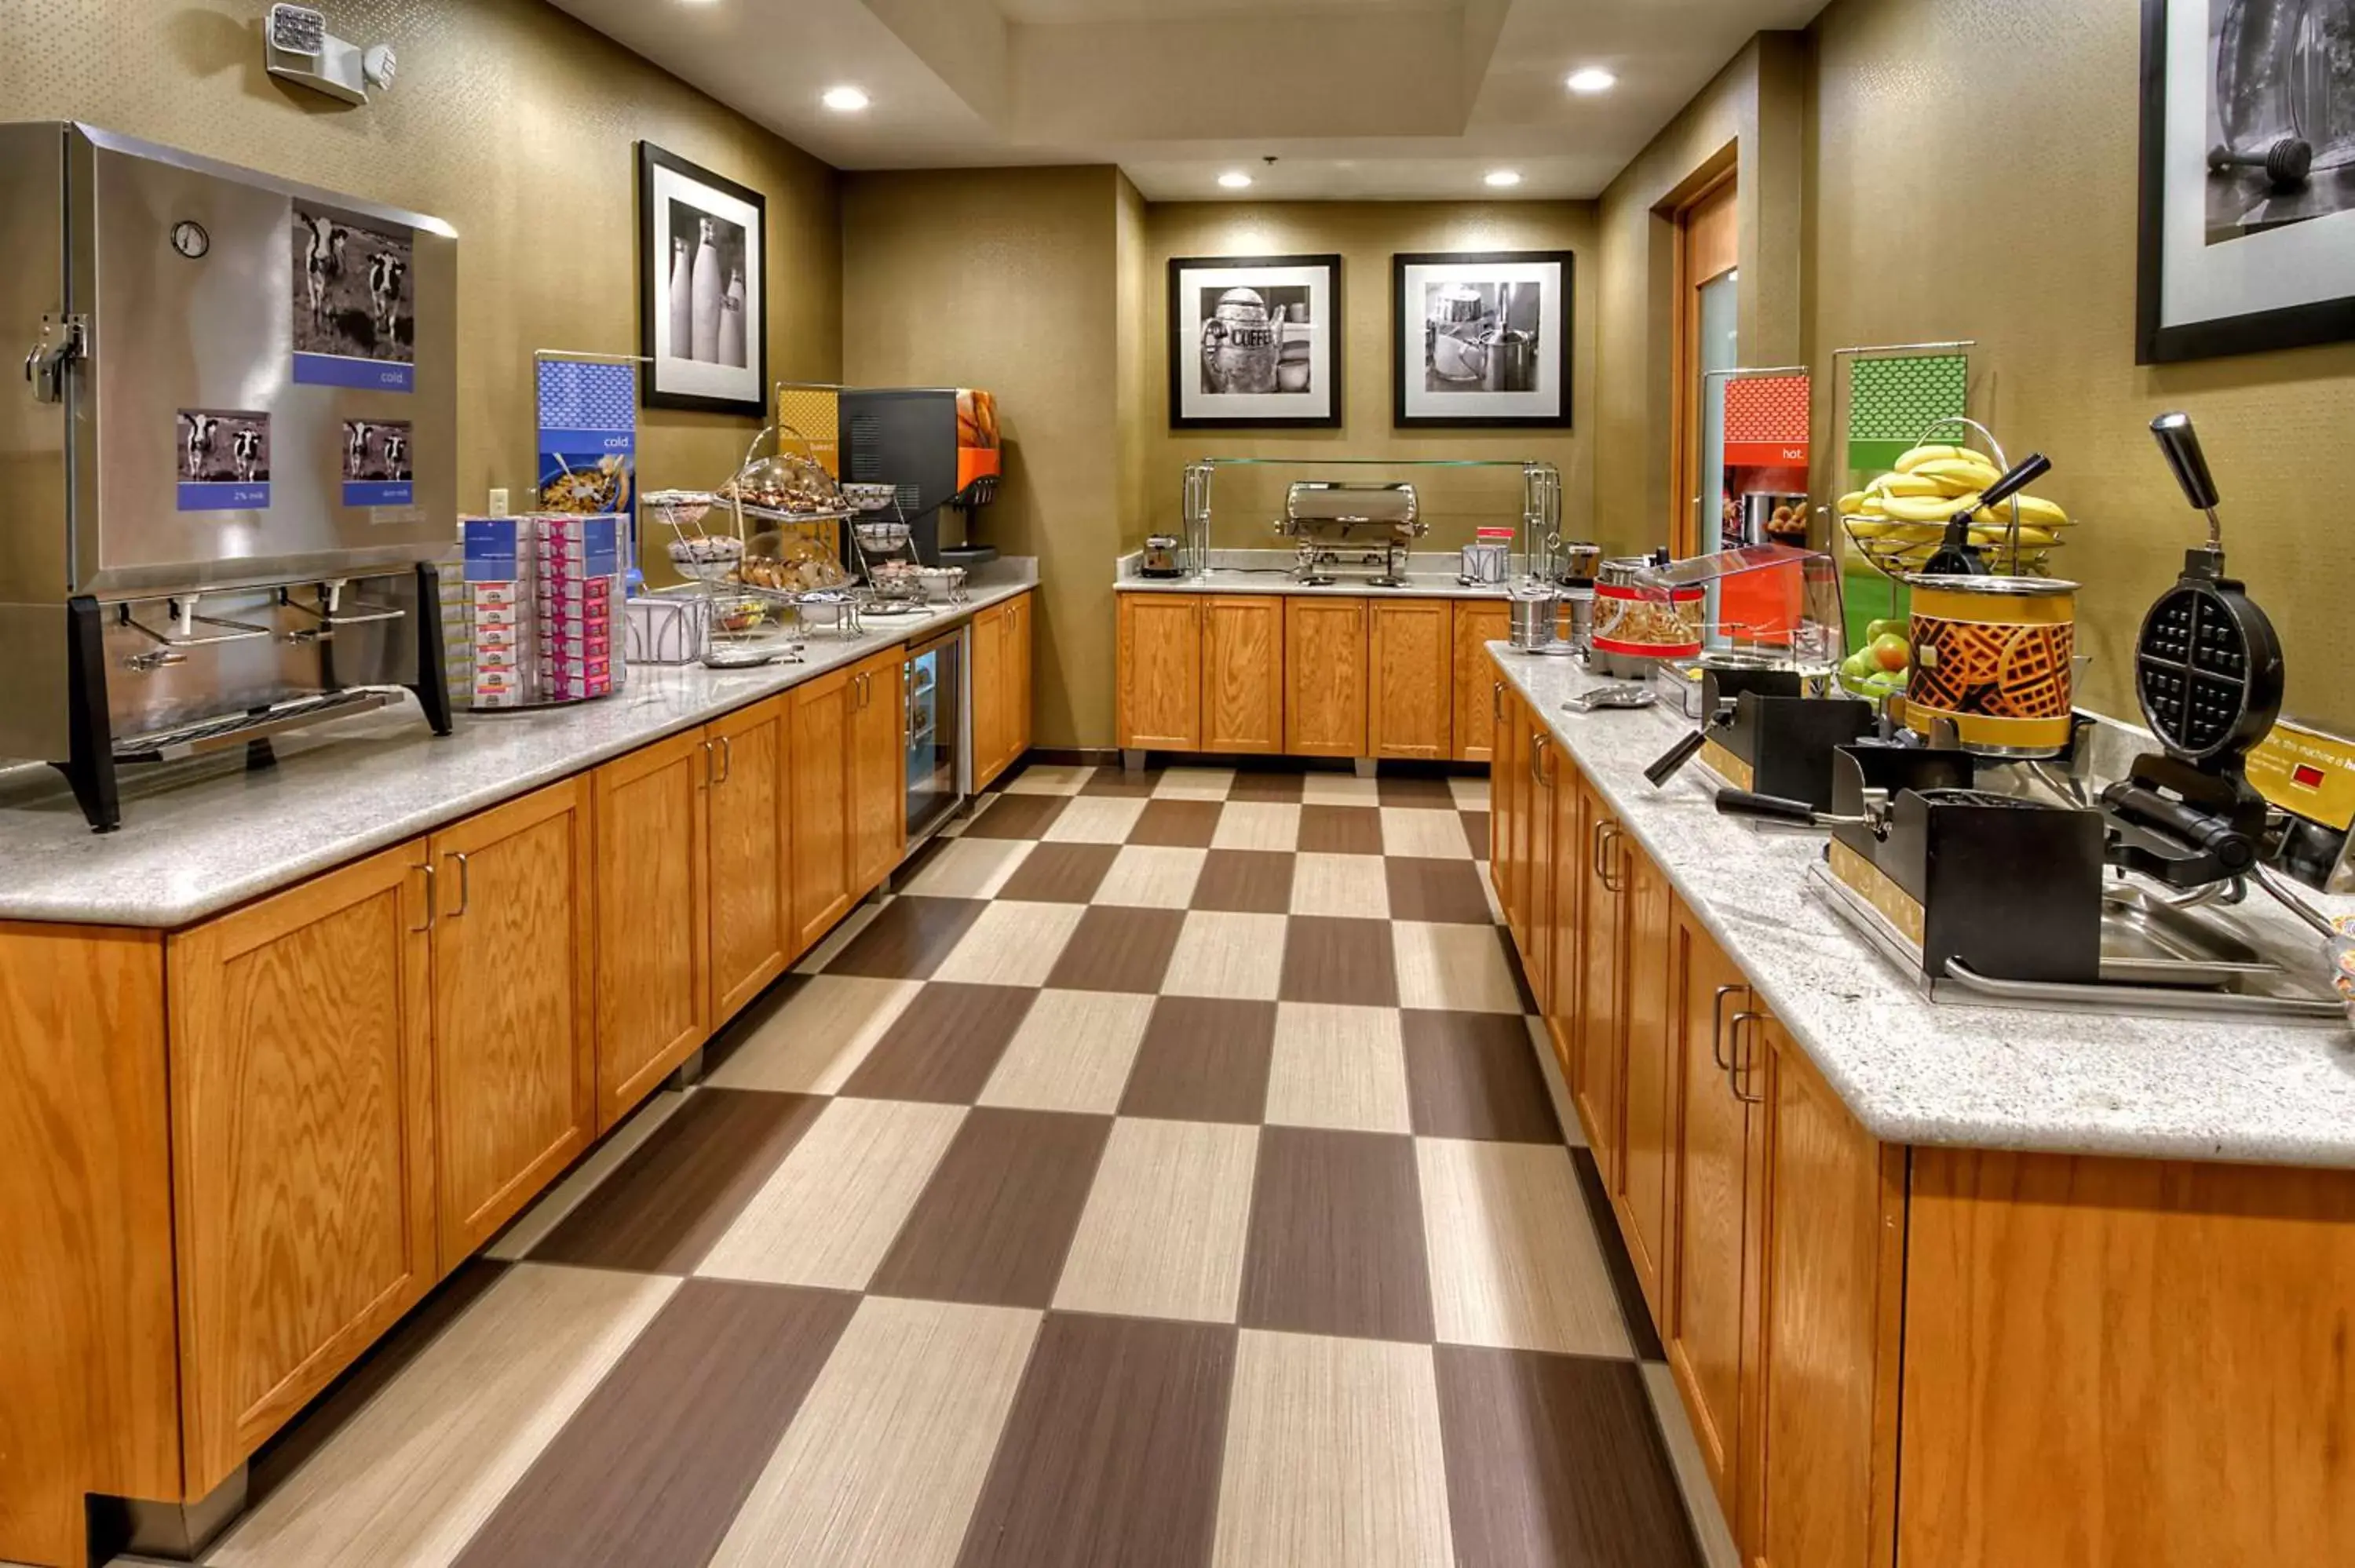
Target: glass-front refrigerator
{"points": [[936, 769]]}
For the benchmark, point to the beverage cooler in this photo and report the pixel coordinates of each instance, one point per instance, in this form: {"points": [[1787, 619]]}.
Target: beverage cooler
{"points": [[940, 769]]}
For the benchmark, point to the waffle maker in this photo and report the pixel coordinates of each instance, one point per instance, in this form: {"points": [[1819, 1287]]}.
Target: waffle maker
{"points": [[1764, 733]]}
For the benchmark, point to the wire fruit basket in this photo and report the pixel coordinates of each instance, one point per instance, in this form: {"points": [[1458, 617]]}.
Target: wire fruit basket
{"points": [[1899, 534]]}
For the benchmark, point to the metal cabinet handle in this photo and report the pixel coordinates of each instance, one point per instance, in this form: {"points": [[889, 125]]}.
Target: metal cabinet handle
{"points": [[709, 754], [1538, 744], [432, 911], [1737, 1075], [1497, 701], [1717, 1026], [1594, 850], [466, 884], [1607, 838], [727, 758]]}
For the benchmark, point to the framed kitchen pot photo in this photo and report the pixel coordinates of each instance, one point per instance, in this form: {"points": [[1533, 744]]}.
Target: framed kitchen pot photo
{"points": [[1481, 339], [703, 314], [1254, 341], [2248, 176]]}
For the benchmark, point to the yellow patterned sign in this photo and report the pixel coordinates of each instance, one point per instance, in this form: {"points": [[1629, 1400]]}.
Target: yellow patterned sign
{"points": [[814, 413]]}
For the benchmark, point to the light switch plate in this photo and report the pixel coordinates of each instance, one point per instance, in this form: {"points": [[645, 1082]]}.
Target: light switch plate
{"points": [[498, 503]]}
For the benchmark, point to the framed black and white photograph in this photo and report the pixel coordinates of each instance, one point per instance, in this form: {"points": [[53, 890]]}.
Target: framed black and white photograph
{"points": [[1254, 341], [1482, 339], [703, 244], [2248, 179]]}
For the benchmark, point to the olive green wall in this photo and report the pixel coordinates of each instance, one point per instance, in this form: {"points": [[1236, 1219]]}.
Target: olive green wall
{"points": [[511, 121]]}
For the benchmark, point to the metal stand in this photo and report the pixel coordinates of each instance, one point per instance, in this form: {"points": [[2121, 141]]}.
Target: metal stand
{"points": [[90, 765], [687, 1074], [432, 686], [1364, 765], [1132, 760]]}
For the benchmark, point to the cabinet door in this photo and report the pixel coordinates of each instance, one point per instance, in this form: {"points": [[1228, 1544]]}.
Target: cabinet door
{"points": [[515, 1059], [1602, 1023], [301, 1094], [819, 788], [1566, 933], [1476, 624], [878, 769], [654, 959], [1324, 677], [1243, 674], [1509, 788], [1704, 1331], [1648, 1082], [1019, 633], [1411, 653], [752, 853], [1160, 671], [993, 678], [1535, 851]]}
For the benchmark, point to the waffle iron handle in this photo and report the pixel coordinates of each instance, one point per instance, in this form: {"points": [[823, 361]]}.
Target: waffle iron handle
{"points": [[2181, 443], [2032, 467], [1955, 556], [1772, 807]]}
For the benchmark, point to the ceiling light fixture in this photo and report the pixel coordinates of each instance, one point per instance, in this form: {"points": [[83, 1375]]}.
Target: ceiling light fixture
{"points": [[844, 99], [1503, 177], [1593, 79], [1235, 180]]}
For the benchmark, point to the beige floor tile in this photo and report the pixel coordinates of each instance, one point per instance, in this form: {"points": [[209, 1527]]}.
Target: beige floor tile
{"points": [[1164, 1229], [1012, 944], [1338, 1067], [1194, 784], [1424, 833], [1095, 819], [1221, 954], [1049, 779], [1071, 1053], [1351, 886], [1339, 789], [1514, 1262], [560, 1199], [1717, 1548], [969, 868], [841, 937], [818, 1037], [1471, 793], [882, 1465], [412, 1478], [1333, 1457], [827, 1215], [1152, 876], [1456, 969], [1258, 825]]}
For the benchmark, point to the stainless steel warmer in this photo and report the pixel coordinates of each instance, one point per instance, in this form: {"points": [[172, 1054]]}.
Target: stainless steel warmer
{"points": [[1330, 520], [230, 464]]}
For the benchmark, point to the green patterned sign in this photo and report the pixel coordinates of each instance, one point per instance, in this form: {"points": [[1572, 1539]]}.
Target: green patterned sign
{"points": [[1892, 401]]}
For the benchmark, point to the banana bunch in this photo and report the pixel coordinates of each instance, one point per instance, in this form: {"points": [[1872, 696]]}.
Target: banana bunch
{"points": [[1911, 506]]}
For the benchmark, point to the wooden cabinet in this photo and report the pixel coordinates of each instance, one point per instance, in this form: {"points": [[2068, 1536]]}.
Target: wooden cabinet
{"points": [[1644, 1189], [819, 786], [1475, 623], [514, 1067], [1509, 800], [1411, 661], [654, 975], [1243, 674], [1566, 930], [1001, 688], [878, 796], [1021, 687], [748, 761], [1160, 679], [302, 1145], [1602, 857], [1325, 677], [1533, 849]]}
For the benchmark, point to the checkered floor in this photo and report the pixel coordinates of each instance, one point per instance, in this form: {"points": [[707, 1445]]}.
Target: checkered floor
{"points": [[1165, 1175]]}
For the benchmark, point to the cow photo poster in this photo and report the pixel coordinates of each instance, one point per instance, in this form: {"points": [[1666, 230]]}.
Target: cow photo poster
{"points": [[355, 301], [378, 465], [223, 459]]}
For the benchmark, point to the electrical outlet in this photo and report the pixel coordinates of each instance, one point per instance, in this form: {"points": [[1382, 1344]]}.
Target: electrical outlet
{"points": [[498, 503]]}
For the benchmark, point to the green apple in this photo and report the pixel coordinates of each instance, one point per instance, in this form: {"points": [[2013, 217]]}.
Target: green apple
{"points": [[1891, 651], [1881, 629]]}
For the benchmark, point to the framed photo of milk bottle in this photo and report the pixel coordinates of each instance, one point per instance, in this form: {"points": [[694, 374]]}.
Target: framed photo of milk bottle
{"points": [[703, 244], [1254, 341]]}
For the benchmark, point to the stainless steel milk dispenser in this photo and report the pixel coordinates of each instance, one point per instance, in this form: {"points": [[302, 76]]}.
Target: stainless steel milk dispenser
{"points": [[230, 461]]}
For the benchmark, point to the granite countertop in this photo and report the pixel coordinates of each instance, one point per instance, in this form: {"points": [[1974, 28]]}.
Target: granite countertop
{"points": [[1915, 1072], [1429, 575], [200, 837]]}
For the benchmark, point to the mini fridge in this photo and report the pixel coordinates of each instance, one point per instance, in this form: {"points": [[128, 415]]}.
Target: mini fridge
{"points": [[939, 768]]}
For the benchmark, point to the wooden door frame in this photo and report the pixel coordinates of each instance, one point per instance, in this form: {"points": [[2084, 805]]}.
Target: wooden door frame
{"points": [[1717, 180]]}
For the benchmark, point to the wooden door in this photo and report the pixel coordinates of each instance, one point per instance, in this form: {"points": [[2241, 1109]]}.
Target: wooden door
{"points": [[819, 788], [1475, 624], [1411, 656], [1324, 677], [514, 1044], [1566, 931], [1021, 689], [654, 955], [1831, 1299], [1160, 671], [1602, 853], [1646, 1101], [878, 769], [1243, 674], [302, 1094], [750, 863], [993, 680], [1708, 249], [1704, 1330]]}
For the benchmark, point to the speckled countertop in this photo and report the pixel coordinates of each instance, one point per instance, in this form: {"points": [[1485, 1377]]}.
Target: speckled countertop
{"points": [[1915, 1072], [198, 838], [1429, 575]]}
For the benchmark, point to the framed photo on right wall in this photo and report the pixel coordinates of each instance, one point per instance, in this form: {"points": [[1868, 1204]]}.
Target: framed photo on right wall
{"points": [[1481, 339]]}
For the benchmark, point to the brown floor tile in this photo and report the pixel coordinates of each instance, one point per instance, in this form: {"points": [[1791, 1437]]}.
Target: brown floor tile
{"points": [[660, 1213], [1340, 830], [1119, 948], [1475, 1074], [996, 1218], [1415, 789], [1621, 1269], [1337, 1238], [1344, 961], [1250, 881], [1476, 832], [1065, 873], [1016, 817], [652, 1469], [1556, 1459], [1112, 1451], [1181, 824], [1267, 784], [1118, 781], [1445, 891], [943, 1046], [1203, 1059], [908, 936]]}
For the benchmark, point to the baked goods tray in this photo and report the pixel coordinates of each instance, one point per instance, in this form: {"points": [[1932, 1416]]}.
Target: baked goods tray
{"points": [[772, 514]]}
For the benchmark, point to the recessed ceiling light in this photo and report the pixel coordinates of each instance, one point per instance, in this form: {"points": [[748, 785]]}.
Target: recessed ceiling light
{"points": [[1502, 177], [1593, 79], [1235, 180], [846, 99]]}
